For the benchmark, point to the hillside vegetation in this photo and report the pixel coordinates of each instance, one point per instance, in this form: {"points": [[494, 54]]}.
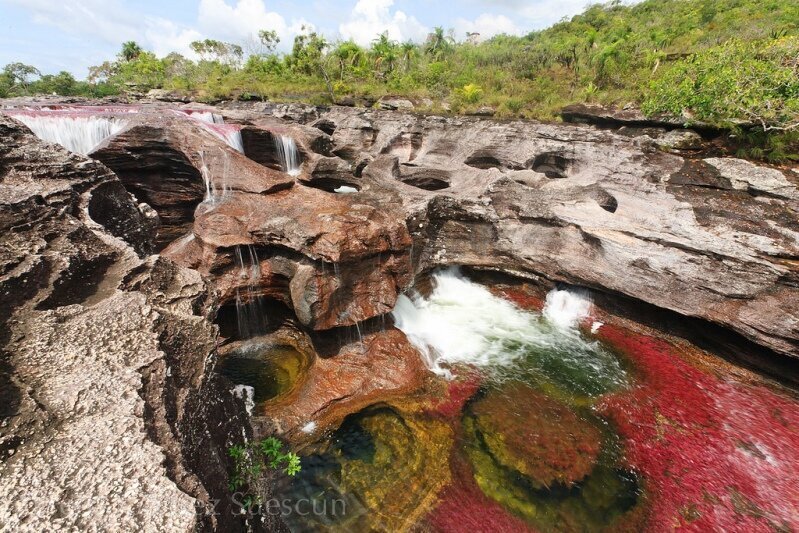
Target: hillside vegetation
{"points": [[718, 61]]}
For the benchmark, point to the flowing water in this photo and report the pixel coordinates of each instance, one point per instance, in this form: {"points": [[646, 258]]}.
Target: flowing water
{"points": [[548, 421], [527, 439], [250, 313], [461, 322], [78, 132], [287, 154]]}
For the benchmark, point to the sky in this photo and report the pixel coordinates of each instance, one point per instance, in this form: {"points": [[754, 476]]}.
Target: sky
{"points": [[72, 35]]}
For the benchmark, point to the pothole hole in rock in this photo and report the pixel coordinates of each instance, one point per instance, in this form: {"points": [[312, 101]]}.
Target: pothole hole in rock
{"points": [[275, 151], [327, 126], [161, 177], [428, 183], [606, 201], [272, 369], [483, 162], [553, 165], [333, 185], [260, 354], [250, 317]]}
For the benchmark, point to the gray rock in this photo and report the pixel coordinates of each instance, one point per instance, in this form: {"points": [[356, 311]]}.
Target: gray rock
{"points": [[680, 140], [746, 176]]}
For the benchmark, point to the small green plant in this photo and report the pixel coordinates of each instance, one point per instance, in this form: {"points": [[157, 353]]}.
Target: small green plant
{"points": [[250, 460], [470, 93]]}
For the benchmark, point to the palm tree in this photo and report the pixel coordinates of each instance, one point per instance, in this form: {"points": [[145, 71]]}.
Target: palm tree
{"points": [[130, 50], [438, 43], [384, 51], [408, 52]]}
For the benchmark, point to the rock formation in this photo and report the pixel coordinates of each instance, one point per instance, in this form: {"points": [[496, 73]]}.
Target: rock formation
{"points": [[107, 361], [111, 414]]}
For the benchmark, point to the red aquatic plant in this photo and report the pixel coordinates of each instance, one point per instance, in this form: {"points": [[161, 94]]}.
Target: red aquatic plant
{"points": [[463, 508], [457, 392], [714, 453]]}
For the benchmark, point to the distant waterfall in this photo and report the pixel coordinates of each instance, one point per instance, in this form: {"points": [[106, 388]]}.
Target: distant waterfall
{"points": [[250, 313], [207, 116], [79, 133], [215, 123], [288, 154]]}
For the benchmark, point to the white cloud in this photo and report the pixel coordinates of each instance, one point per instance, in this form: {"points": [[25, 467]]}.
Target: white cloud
{"points": [[487, 25], [244, 18], [108, 20], [370, 18], [164, 36], [541, 13]]}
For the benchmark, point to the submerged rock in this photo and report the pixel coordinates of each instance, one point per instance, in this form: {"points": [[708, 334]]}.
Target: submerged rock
{"points": [[526, 431]]}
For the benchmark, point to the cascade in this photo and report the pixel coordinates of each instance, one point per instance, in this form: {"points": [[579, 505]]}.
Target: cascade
{"points": [[288, 154], [230, 133], [212, 193], [250, 313], [77, 131], [463, 322], [215, 123]]}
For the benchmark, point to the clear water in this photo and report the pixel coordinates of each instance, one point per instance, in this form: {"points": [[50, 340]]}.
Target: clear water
{"points": [[77, 133], [527, 440]]}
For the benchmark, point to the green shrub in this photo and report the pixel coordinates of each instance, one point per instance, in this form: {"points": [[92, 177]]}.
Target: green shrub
{"points": [[251, 460]]}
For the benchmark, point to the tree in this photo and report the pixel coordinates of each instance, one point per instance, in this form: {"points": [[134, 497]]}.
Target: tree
{"points": [[438, 44], [347, 53], [130, 51], [384, 51], [21, 74], [307, 57], [409, 50], [211, 49], [269, 40]]}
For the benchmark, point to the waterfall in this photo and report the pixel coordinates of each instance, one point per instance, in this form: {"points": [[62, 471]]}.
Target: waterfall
{"points": [[250, 313], [215, 123], [288, 154], [207, 116], [77, 132], [212, 193], [230, 133], [463, 322]]}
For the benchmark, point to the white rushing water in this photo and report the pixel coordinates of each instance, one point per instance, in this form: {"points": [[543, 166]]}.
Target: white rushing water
{"points": [[288, 154], [80, 134], [461, 322], [345, 189], [250, 313]]}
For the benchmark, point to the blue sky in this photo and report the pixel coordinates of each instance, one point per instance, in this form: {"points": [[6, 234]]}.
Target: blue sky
{"points": [[72, 35]]}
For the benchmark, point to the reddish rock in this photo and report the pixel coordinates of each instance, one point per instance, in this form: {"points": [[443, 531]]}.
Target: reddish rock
{"points": [[381, 368]]}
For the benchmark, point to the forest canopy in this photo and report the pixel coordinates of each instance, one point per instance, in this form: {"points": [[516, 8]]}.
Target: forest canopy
{"points": [[718, 61]]}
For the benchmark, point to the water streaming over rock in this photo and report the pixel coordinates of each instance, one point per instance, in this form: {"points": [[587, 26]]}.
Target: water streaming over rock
{"points": [[461, 322], [77, 131], [250, 314], [215, 192], [288, 154], [215, 123]]}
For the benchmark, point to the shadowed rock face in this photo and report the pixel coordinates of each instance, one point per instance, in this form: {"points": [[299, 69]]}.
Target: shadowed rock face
{"points": [[110, 418]]}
